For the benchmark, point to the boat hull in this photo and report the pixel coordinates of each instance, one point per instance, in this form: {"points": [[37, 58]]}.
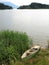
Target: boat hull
{"points": [[31, 52]]}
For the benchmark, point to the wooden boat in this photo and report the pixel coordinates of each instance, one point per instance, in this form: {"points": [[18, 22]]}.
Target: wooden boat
{"points": [[30, 52]]}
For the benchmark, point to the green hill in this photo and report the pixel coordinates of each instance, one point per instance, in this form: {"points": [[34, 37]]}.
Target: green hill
{"points": [[3, 6], [34, 6]]}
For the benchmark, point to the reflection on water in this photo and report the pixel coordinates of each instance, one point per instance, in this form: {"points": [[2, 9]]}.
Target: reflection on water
{"points": [[34, 22]]}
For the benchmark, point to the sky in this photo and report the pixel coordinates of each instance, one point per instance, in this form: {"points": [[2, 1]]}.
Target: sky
{"points": [[26, 2]]}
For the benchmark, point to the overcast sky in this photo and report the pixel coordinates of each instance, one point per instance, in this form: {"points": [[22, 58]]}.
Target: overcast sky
{"points": [[26, 2]]}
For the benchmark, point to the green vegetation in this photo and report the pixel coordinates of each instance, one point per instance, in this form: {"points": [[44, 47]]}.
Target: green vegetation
{"points": [[3, 6], [42, 58], [12, 46], [34, 6]]}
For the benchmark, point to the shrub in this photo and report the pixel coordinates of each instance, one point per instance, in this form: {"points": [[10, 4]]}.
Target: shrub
{"points": [[12, 45]]}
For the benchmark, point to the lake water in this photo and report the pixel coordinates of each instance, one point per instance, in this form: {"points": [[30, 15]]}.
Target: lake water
{"points": [[34, 22]]}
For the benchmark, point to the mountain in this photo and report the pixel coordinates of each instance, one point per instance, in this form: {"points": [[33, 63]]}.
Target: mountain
{"points": [[35, 6], [3, 6], [10, 4]]}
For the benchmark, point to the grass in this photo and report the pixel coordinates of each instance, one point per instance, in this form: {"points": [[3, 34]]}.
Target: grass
{"points": [[42, 58], [14, 44]]}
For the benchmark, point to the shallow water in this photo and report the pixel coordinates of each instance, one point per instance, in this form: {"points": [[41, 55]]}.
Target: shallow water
{"points": [[34, 22]]}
